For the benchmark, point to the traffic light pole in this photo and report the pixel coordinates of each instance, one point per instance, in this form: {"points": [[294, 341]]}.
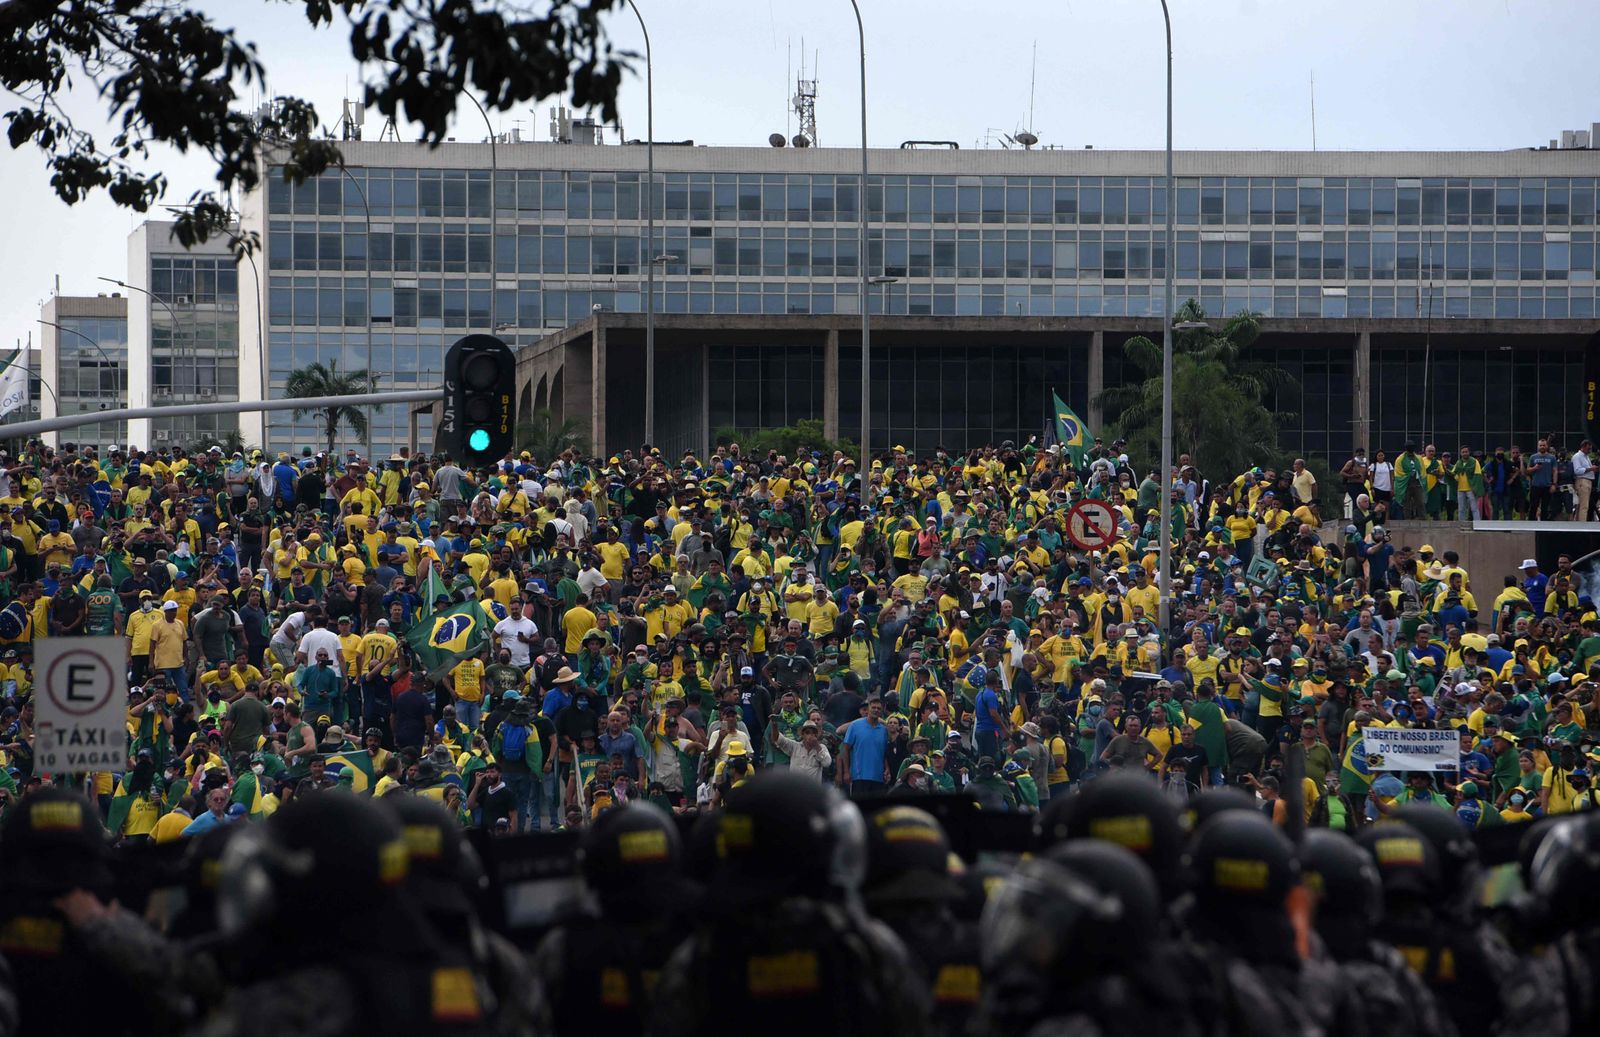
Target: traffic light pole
{"points": [[66, 421]]}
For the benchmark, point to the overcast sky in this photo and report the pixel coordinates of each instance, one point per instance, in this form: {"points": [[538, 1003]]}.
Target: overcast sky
{"points": [[1390, 75]]}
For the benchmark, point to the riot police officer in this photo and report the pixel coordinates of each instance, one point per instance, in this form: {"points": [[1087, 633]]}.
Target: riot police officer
{"points": [[447, 881], [1389, 999], [597, 972], [76, 956], [910, 889], [1128, 810], [316, 899], [1563, 875], [1463, 959], [783, 946], [1245, 879], [1065, 947]]}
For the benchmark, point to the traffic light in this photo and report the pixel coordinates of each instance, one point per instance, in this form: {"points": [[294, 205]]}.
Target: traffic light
{"points": [[480, 378]]}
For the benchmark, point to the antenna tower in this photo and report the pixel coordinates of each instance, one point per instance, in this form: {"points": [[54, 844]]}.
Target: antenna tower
{"points": [[805, 103]]}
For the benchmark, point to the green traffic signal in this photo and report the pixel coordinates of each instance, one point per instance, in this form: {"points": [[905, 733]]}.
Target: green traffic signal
{"points": [[479, 439]]}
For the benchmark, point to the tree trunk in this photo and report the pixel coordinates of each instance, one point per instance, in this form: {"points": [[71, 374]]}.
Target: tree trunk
{"points": [[333, 430]]}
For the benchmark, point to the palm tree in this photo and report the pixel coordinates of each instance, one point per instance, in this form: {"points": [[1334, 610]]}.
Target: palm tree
{"points": [[1221, 412], [318, 380], [545, 437]]}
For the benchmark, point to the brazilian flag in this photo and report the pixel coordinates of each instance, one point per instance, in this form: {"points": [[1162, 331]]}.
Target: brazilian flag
{"points": [[496, 611], [1071, 432], [450, 635], [358, 762]]}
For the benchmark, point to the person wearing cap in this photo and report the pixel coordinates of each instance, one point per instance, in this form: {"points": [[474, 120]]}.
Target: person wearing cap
{"points": [[169, 641]]}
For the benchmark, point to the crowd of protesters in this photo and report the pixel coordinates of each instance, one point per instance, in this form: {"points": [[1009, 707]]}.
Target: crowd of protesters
{"points": [[663, 628]]}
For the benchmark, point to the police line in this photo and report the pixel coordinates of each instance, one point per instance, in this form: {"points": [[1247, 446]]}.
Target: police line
{"points": [[533, 884]]}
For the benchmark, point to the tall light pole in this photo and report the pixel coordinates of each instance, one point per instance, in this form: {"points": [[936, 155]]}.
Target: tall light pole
{"points": [[1164, 577], [72, 331], [650, 234], [366, 210], [861, 272]]}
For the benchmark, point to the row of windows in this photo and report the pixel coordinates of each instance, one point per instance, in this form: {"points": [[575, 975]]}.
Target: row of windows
{"points": [[186, 280], [92, 358], [799, 197], [799, 252], [330, 304]]}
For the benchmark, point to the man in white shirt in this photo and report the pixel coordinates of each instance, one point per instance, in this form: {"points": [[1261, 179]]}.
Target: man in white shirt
{"points": [[808, 756], [319, 637], [517, 633], [287, 637], [1583, 475]]}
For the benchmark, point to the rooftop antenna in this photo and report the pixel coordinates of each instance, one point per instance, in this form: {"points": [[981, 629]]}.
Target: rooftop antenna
{"points": [[1313, 109], [1033, 75], [805, 103]]}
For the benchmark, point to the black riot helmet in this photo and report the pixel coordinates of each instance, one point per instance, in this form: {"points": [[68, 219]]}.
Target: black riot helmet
{"points": [[1452, 843], [908, 859], [53, 842], [1043, 940], [1565, 870], [1347, 888], [1128, 810], [1408, 865], [1119, 873], [784, 834], [632, 857], [330, 855], [443, 873], [1216, 800]]}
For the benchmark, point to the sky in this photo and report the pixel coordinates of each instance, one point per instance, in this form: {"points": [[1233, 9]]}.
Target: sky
{"points": [[1389, 75]]}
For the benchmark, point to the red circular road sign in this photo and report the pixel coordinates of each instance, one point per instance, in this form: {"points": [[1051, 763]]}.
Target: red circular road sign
{"points": [[79, 682], [1092, 525]]}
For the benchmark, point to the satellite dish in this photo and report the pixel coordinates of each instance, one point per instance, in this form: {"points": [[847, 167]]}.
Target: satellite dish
{"points": [[776, 140], [1026, 139], [801, 141]]}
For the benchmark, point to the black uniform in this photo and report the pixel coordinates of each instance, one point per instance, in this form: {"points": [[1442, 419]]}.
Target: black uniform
{"points": [[110, 974], [381, 970], [781, 947], [909, 888], [1389, 999]]}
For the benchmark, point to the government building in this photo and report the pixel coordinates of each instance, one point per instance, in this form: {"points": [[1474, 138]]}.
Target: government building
{"points": [[1413, 295]]}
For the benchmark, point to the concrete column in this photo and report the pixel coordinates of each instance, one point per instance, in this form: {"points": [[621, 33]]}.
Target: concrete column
{"points": [[705, 401], [597, 390], [1362, 390], [830, 385], [1097, 378]]}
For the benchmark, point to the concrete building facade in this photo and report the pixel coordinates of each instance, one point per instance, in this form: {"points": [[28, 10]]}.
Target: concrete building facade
{"points": [[1392, 277]]}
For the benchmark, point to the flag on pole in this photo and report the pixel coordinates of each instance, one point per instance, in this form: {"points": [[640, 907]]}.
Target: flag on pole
{"points": [[449, 636], [433, 588], [1071, 432], [13, 384]]}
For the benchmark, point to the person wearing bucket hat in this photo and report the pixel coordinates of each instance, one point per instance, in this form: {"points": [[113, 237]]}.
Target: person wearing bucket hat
{"points": [[909, 888], [62, 935], [595, 970], [779, 936]]}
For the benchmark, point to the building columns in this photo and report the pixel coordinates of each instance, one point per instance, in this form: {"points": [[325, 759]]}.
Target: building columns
{"points": [[1097, 377], [830, 385], [1362, 387]]}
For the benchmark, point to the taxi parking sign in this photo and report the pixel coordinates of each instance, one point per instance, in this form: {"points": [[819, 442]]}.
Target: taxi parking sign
{"points": [[81, 705]]}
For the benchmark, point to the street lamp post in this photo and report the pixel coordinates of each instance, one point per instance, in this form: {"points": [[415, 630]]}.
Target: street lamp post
{"points": [[650, 234], [1164, 585], [884, 281], [861, 270], [152, 296], [72, 331]]}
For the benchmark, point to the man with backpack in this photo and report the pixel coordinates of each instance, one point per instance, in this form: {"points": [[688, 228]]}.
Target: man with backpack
{"points": [[520, 753]]}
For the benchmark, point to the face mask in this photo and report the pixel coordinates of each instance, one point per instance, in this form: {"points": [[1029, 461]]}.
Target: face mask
{"points": [[146, 606], [1094, 711], [258, 768]]}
